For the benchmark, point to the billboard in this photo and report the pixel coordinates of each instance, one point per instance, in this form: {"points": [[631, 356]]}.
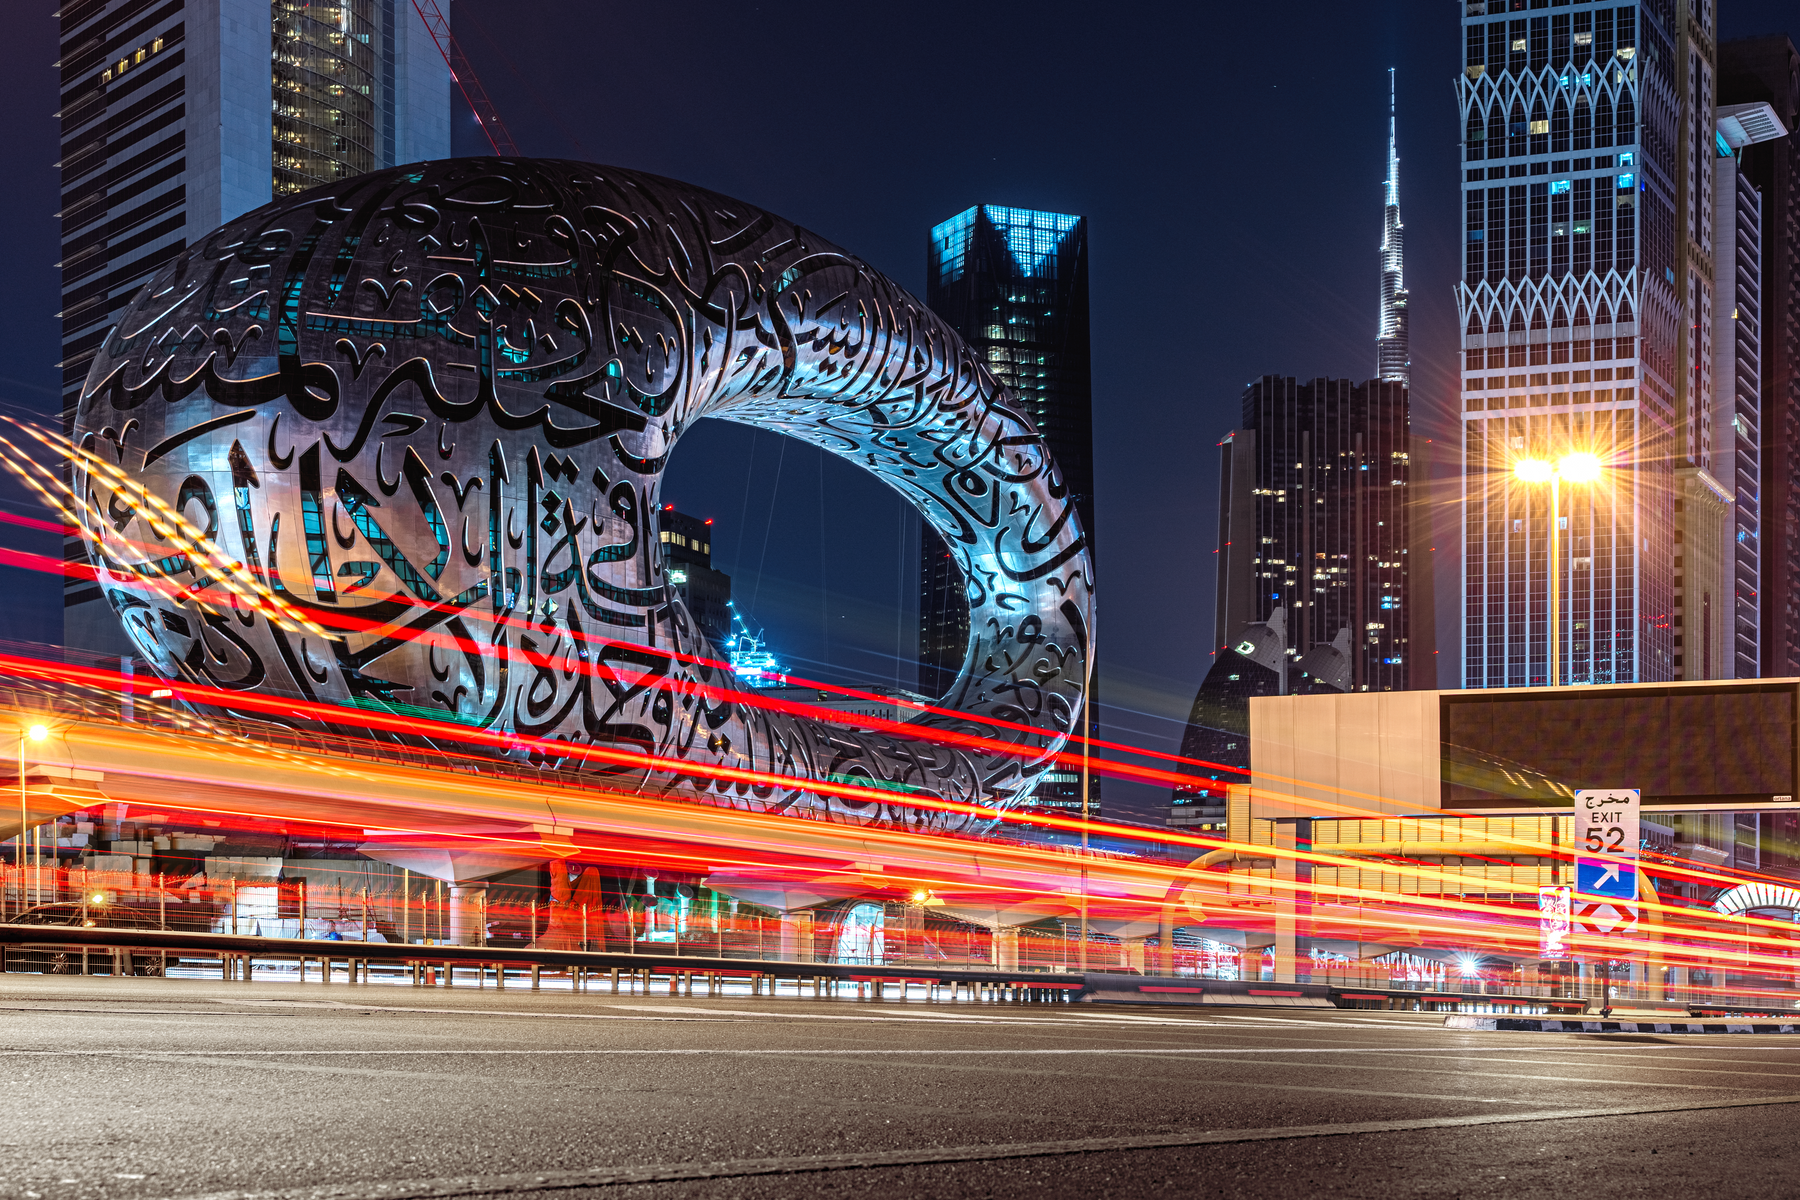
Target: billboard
{"points": [[1728, 743], [1553, 922]]}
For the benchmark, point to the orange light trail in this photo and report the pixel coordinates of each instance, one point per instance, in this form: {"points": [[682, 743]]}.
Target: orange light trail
{"points": [[764, 840]]}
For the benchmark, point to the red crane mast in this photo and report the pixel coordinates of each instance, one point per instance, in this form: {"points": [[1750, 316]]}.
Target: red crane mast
{"points": [[463, 75]]}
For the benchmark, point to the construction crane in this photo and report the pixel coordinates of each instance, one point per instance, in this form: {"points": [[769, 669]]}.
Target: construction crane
{"points": [[463, 75], [751, 661]]}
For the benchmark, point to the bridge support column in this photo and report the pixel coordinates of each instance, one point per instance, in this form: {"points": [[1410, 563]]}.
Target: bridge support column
{"points": [[1006, 947], [468, 903], [797, 936], [1286, 905], [1135, 953]]}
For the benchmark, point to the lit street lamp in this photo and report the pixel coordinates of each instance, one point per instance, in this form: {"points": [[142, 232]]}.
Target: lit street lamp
{"points": [[1571, 468], [36, 733]]}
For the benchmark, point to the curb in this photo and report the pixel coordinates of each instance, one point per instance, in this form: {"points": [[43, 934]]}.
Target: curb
{"points": [[1538, 1025]]}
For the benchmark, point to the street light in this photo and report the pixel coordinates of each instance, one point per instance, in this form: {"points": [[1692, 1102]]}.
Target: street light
{"points": [[36, 733], [1579, 467]]}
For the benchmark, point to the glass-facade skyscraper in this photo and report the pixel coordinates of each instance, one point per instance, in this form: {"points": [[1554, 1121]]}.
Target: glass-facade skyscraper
{"points": [[1393, 347], [1587, 311], [1014, 283], [1315, 507], [178, 115], [1764, 172]]}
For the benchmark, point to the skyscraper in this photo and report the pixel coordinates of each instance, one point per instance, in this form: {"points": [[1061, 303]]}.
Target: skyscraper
{"points": [[1393, 353], [1323, 551], [1321, 566], [1737, 376], [1014, 283], [1315, 518], [1587, 310], [178, 115], [1766, 71], [1737, 362], [687, 559]]}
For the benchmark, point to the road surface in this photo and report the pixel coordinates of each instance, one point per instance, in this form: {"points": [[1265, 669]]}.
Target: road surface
{"points": [[144, 1089]]}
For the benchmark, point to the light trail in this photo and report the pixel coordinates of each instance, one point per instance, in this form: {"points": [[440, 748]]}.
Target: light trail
{"points": [[1120, 887], [638, 761], [231, 576], [1446, 916]]}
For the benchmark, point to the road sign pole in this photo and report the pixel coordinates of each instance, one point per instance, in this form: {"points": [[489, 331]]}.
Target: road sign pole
{"points": [[1606, 839]]}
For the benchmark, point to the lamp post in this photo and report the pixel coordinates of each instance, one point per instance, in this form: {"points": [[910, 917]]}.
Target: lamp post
{"points": [[1571, 468], [36, 733]]}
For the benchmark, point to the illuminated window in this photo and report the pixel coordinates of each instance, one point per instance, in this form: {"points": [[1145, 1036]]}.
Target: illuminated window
{"points": [[321, 64], [1032, 236], [951, 240]]}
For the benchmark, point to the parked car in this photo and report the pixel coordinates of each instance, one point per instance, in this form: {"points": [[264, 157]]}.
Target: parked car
{"points": [[66, 960]]}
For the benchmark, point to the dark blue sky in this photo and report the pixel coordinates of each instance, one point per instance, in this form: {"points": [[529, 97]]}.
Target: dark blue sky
{"points": [[1229, 160]]}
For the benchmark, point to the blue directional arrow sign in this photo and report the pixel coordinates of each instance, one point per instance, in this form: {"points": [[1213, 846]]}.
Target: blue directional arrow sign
{"points": [[1615, 878]]}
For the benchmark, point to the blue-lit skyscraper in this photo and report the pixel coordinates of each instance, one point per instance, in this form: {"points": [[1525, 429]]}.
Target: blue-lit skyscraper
{"points": [[180, 115], [1587, 312], [1014, 283]]}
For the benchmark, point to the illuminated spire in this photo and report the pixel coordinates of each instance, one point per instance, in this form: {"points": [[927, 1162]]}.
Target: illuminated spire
{"points": [[1393, 360]]}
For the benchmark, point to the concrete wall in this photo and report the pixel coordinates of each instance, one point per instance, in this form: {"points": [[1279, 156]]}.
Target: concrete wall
{"points": [[230, 99], [422, 83], [1355, 753]]}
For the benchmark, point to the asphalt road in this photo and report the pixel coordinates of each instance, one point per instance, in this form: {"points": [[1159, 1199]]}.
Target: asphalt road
{"points": [[145, 1089]]}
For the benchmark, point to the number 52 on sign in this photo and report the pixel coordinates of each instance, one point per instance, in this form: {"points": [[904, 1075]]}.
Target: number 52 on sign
{"points": [[1606, 821]]}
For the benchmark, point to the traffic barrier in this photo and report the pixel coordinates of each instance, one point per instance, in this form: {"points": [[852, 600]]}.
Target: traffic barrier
{"points": [[436, 966], [1542, 1025]]}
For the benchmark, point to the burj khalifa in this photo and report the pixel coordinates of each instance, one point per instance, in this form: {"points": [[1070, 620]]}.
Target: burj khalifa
{"points": [[1393, 361]]}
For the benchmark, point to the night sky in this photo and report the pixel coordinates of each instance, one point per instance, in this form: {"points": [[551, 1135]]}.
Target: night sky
{"points": [[1229, 160]]}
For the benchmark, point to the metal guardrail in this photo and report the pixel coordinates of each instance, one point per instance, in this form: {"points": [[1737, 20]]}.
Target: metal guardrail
{"points": [[226, 947], [237, 955]]}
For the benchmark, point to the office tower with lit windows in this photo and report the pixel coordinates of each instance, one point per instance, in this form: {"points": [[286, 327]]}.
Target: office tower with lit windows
{"points": [[1738, 267], [1014, 283], [687, 561], [179, 115], [1737, 289], [1317, 568], [1315, 518], [1587, 310], [1759, 95]]}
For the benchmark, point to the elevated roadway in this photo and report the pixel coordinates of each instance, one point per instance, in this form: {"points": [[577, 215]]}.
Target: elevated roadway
{"points": [[413, 798]]}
